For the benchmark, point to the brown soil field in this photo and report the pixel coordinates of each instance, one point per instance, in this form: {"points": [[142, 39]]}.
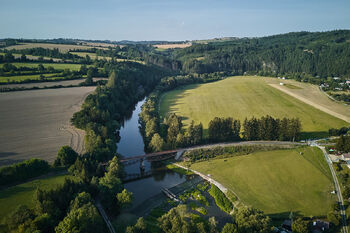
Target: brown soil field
{"points": [[43, 84], [35, 124], [61, 47], [172, 46]]}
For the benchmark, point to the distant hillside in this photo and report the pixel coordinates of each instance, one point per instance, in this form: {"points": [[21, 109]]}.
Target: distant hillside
{"points": [[318, 53]]}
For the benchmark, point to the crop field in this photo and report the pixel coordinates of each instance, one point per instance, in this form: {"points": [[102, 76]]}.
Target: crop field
{"points": [[172, 46], [48, 84], [22, 194], [58, 66], [61, 47], [91, 55], [36, 123], [31, 57], [277, 182], [244, 97]]}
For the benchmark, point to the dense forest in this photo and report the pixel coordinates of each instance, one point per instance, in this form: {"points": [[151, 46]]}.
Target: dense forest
{"points": [[320, 54]]}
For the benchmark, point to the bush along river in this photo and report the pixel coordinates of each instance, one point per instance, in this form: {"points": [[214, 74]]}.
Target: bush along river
{"points": [[147, 191]]}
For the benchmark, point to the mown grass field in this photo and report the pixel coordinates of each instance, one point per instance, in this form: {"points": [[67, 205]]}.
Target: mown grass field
{"points": [[22, 194], [277, 182], [58, 66], [313, 93], [244, 97]]}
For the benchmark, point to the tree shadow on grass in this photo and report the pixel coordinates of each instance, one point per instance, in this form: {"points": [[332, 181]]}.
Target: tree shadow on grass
{"points": [[11, 191], [178, 93], [284, 215], [314, 134]]}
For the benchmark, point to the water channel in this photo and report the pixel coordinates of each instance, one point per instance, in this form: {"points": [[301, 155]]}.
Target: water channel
{"points": [[131, 144]]}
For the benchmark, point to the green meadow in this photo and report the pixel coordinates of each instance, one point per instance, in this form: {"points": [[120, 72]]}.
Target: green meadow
{"points": [[244, 97], [22, 194], [58, 66], [277, 182]]}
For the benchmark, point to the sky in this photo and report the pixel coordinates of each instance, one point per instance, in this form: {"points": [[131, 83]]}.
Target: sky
{"points": [[167, 20]]}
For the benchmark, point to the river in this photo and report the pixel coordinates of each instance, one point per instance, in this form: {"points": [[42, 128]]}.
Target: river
{"points": [[131, 144]]}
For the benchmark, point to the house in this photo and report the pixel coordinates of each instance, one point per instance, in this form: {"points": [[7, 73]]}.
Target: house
{"points": [[336, 78], [347, 82], [320, 226], [345, 156]]}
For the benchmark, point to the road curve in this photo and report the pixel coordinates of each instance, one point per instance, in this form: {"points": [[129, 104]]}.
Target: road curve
{"points": [[337, 188]]}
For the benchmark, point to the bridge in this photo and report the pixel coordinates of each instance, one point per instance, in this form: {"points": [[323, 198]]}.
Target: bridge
{"points": [[153, 157], [177, 153]]}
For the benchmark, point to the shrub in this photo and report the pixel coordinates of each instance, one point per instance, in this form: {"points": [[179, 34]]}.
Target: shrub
{"points": [[66, 156], [220, 199], [22, 171]]}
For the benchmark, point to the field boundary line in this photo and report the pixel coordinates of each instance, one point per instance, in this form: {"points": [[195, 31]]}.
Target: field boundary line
{"points": [[313, 104]]}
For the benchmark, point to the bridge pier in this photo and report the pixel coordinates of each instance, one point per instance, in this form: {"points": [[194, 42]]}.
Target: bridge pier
{"points": [[142, 165], [179, 153]]}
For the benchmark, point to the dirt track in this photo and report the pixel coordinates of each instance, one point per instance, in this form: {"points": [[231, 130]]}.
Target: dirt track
{"points": [[35, 124], [322, 108]]}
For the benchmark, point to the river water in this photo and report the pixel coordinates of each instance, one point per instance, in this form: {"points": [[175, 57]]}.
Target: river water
{"points": [[131, 144]]}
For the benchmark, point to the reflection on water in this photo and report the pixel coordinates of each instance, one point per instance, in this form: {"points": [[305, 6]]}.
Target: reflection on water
{"points": [[148, 187], [131, 144]]}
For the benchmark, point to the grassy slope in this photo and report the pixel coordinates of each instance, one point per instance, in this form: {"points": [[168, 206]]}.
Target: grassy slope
{"points": [[312, 93], [11, 197], [241, 97], [91, 55], [277, 182], [61, 66]]}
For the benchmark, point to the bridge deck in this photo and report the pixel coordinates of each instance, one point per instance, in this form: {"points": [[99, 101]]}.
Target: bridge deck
{"points": [[148, 155]]}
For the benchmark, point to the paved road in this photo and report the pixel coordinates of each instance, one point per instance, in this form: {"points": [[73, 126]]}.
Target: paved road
{"points": [[337, 187], [105, 217]]}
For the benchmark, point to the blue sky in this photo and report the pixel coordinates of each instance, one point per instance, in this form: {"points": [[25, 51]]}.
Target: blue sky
{"points": [[168, 20]]}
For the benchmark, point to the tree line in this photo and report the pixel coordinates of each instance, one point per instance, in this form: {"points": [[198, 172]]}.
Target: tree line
{"points": [[22, 171], [318, 54], [170, 134], [343, 144], [153, 129], [98, 172]]}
